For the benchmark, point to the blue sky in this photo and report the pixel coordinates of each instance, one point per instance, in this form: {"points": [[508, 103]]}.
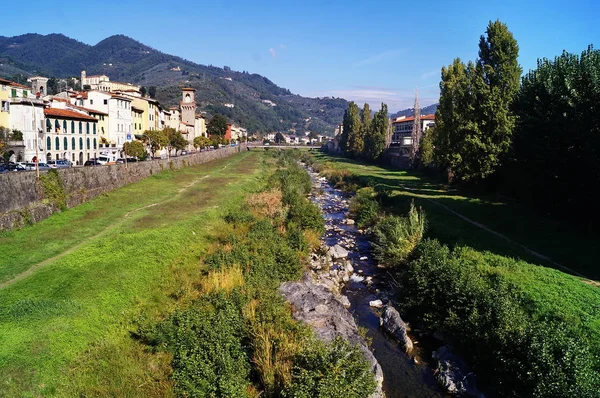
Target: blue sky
{"points": [[367, 51]]}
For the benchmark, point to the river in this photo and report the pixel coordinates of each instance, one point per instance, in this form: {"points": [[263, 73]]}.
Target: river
{"points": [[404, 375]]}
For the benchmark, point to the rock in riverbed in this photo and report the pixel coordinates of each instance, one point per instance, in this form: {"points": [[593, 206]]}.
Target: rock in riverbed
{"points": [[337, 252], [392, 323], [318, 307], [453, 375]]}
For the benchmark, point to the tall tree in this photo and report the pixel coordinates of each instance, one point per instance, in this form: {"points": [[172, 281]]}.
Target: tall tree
{"points": [[353, 127], [375, 137], [474, 121], [358, 146], [134, 148], [217, 125]]}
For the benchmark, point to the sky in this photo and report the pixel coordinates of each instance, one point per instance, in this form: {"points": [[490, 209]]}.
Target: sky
{"points": [[364, 51]]}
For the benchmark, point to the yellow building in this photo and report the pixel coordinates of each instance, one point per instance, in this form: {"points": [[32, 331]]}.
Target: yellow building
{"points": [[138, 116]]}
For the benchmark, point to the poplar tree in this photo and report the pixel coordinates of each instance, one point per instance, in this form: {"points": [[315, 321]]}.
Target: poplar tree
{"points": [[375, 137], [352, 127], [474, 122], [358, 146]]}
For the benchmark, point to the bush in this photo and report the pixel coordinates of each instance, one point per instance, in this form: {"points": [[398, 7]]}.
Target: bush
{"points": [[206, 341], [364, 207], [494, 325], [330, 371], [397, 237]]}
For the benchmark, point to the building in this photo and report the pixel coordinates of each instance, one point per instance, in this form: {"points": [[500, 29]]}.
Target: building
{"points": [[402, 132], [103, 83], [39, 85], [238, 134], [71, 135], [21, 110]]}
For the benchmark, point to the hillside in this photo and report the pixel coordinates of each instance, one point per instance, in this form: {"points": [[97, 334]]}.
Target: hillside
{"points": [[411, 111], [124, 59]]}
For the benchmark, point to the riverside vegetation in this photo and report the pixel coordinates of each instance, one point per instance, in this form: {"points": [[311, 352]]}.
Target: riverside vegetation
{"points": [[129, 295], [237, 337], [526, 330]]}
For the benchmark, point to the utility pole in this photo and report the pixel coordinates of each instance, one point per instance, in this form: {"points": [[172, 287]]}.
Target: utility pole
{"points": [[416, 133]]}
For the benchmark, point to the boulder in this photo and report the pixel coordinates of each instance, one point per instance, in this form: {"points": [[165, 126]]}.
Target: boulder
{"points": [[376, 303], [318, 307], [350, 221], [337, 252], [453, 374], [393, 324]]}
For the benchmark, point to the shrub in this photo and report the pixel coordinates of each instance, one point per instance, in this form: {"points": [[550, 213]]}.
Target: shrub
{"points": [[54, 190], [330, 371], [492, 322], [364, 207], [397, 237], [206, 341]]}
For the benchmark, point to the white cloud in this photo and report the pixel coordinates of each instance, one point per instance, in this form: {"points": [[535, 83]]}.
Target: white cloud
{"points": [[377, 58], [273, 52], [396, 99]]}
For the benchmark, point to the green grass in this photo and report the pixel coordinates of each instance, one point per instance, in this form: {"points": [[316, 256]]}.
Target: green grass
{"points": [[550, 238], [65, 328]]}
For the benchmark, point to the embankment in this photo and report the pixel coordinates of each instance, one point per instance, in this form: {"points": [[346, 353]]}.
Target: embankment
{"points": [[24, 201]]}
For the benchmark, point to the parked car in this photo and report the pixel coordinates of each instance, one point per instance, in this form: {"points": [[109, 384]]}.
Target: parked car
{"points": [[14, 167], [31, 166], [92, 162], [120, 161], [59, 164], [132, 160]]}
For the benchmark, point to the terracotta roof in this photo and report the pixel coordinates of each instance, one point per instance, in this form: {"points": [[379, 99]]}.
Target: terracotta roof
{"points": [[66, 114], [411, 118], [120, 97], [188, 89], [10, 83], [90, 110]]}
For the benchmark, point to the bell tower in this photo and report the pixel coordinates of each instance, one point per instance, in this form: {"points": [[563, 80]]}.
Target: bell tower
{"points": [[188, 105]]}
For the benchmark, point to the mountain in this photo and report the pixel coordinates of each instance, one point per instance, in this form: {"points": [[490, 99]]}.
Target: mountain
{"points": [[258, 103], [411, 111]]}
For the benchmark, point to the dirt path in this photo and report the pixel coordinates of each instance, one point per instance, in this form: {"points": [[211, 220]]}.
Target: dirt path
{"points": [[32, 269]]}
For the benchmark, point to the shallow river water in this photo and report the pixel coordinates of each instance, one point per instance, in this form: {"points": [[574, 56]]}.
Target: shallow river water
{"points": [[404, 375]]}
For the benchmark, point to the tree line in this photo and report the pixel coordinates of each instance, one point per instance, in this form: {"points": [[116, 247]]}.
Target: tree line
{"points": [[364, 136], [535, 137]]}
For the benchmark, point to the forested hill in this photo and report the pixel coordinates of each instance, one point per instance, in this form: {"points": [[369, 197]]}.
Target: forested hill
{"points": [[430, 109], [258, 103]]}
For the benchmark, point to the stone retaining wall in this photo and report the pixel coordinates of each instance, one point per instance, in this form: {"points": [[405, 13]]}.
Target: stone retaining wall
{"points": [[21, 199]]}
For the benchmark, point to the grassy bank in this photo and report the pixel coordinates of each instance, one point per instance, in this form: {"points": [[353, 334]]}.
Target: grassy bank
{"points": [[527, 330], [236, 337], [65, 327]]}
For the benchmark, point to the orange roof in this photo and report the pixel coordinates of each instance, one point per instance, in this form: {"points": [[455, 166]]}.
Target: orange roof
{"points": [[89, 110], [188, 89], [10, 83], [411, 118], [66, 114]]}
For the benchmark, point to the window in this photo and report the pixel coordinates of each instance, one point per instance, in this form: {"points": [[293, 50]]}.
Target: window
{"points": [[88, 143], [87, 128], [80, 143], [73, 130], [80, 129], [65, 143], [91, 102], [94, 127], [13, 92], [57, 126], [5, 105], [73, 143], [94, 143], [57, 141], [65, 129], [48, 143], [105, 102], [25, 93], [48, 126]]}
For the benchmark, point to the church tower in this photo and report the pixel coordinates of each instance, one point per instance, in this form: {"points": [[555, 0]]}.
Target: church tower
{"points": [[188, 105]]}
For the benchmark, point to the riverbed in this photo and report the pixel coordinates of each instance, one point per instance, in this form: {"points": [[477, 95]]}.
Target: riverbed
{"points": [[405, 375]]}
